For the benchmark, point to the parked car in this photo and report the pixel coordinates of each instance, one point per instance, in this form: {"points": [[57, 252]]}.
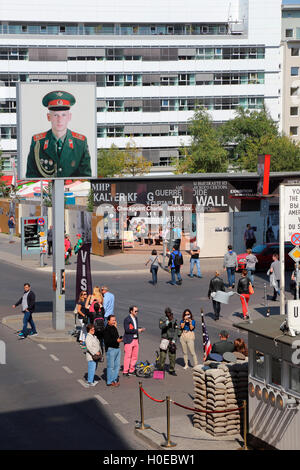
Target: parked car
{"points": [[264, 255]]}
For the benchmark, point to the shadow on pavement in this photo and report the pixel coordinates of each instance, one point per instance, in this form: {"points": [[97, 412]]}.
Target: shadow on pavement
{"points": [[76, 426]]}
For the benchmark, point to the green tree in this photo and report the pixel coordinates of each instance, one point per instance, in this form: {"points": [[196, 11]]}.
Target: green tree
{"points": [[252, 133], [206, 153], [285, 154], [117, 162], [134, 162], [110, 161], [247, 127], [4, 189]]}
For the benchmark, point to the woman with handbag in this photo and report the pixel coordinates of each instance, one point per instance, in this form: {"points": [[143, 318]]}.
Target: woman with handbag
{"points": [[93, 354], [187, 338], [245, 289], [82, 316], [153, 266]]}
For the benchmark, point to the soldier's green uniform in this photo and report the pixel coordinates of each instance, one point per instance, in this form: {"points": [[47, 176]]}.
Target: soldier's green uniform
{"points": [[50, 158], [43, 160], [170, 331]]}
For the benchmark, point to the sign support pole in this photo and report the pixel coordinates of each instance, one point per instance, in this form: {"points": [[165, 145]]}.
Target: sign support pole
{"points": [[282, 253], [41, 254], [58, 313]]}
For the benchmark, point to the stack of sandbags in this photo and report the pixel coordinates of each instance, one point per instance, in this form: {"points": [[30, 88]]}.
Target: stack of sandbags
{"points": [[199, 419], [220, 387], [216, 401]]}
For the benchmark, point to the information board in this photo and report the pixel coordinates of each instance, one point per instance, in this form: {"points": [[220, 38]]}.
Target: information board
{"points": [[31, 233], [291, 211]]}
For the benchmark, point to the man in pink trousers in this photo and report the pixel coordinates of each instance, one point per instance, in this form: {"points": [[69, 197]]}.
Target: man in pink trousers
{"points": [[131, 341]]}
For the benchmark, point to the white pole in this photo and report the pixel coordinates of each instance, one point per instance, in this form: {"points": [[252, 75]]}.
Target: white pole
{"points": [[281, 242]]}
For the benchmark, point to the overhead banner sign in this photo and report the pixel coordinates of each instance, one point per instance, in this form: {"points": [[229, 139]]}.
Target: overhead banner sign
{"points": [[83, 271], [212, 195], [291, 211]]}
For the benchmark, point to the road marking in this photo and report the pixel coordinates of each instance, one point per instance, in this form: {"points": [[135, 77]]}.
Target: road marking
{"points": [[42, 346], [99, 398], [69, 371], [83, 383], [120, 417], [54, 357]]}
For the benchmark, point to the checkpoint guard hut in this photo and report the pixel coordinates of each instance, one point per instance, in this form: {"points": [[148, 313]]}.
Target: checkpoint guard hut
{"points": [[273, 384]]}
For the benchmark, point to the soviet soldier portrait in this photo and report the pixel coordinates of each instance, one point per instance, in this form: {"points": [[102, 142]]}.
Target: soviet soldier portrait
{"points": [[58, 152]]}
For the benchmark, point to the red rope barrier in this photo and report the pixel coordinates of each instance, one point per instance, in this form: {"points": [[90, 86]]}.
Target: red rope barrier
{"points": [[206, 411], [151, 398]]}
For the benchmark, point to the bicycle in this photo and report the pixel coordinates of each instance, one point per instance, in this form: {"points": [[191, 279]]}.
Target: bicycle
{"points": [[145, 369]]}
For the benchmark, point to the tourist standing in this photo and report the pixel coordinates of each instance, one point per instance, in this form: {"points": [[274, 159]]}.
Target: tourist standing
{"points": [[187, 338], [131, 341], [112, 342], [153, 260], [194, 260], [216, 284], [230, 265]]}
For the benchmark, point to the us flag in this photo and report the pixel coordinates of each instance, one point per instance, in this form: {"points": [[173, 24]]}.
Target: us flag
{"points": [[207, 347]]}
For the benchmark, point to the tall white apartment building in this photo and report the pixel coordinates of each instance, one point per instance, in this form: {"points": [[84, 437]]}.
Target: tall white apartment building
{"points": [[153, 63]]}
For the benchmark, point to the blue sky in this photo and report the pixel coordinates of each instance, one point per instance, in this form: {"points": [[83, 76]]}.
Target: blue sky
{"points": [[290, 2]]}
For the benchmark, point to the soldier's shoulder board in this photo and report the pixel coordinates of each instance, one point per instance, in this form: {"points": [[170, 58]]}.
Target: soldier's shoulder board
{"points": [[40, 136], [78, 136]]}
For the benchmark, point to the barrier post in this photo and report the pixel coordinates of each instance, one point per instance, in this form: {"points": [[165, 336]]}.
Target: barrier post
{"points": [[142, 426], [168, 442], [245, 447]]}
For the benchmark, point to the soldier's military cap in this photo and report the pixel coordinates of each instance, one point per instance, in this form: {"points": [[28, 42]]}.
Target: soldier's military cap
{"points": [[58, 100]]}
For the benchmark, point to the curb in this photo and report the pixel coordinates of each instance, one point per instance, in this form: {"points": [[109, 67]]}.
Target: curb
{"points": [[147, 440], [63, 336]]}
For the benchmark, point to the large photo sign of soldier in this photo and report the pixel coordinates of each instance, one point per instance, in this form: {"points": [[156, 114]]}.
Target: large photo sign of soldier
{"points": [[56, 130]]}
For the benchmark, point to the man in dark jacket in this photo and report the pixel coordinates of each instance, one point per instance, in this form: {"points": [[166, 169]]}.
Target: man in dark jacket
{"points": [[216, 284], [169, 331], [112, 342], [28, 307], [223, 345], [175, 262], [131, 341]]}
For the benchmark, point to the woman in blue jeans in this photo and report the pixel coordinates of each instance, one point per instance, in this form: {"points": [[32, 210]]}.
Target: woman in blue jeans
{"points": [[153, 260], [92, 350]]}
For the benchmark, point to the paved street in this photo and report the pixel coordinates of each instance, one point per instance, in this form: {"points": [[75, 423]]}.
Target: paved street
{"points": [[41, 382]]}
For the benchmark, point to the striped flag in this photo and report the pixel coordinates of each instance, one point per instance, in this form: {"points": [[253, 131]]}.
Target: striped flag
{"points": [[207, 347]]}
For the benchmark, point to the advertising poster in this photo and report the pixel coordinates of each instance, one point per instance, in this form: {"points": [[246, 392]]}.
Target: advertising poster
{"points": [[56, 130]]}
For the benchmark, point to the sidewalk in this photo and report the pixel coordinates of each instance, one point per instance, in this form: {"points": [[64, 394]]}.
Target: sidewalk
{"points": [[123, 263], [45, 331], [184, 435]]}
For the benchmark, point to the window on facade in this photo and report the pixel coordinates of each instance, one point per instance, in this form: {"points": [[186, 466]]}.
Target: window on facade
{"points": [[294, 111], [295, 51], [293, 130], [259, 365], [288, 33], [294, 379], [294, 71], [294, 91], [276, 366]]}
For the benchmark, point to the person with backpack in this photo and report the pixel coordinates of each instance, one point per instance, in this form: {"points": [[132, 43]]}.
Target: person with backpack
{"points": [[98, 322], [175, 263]]}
